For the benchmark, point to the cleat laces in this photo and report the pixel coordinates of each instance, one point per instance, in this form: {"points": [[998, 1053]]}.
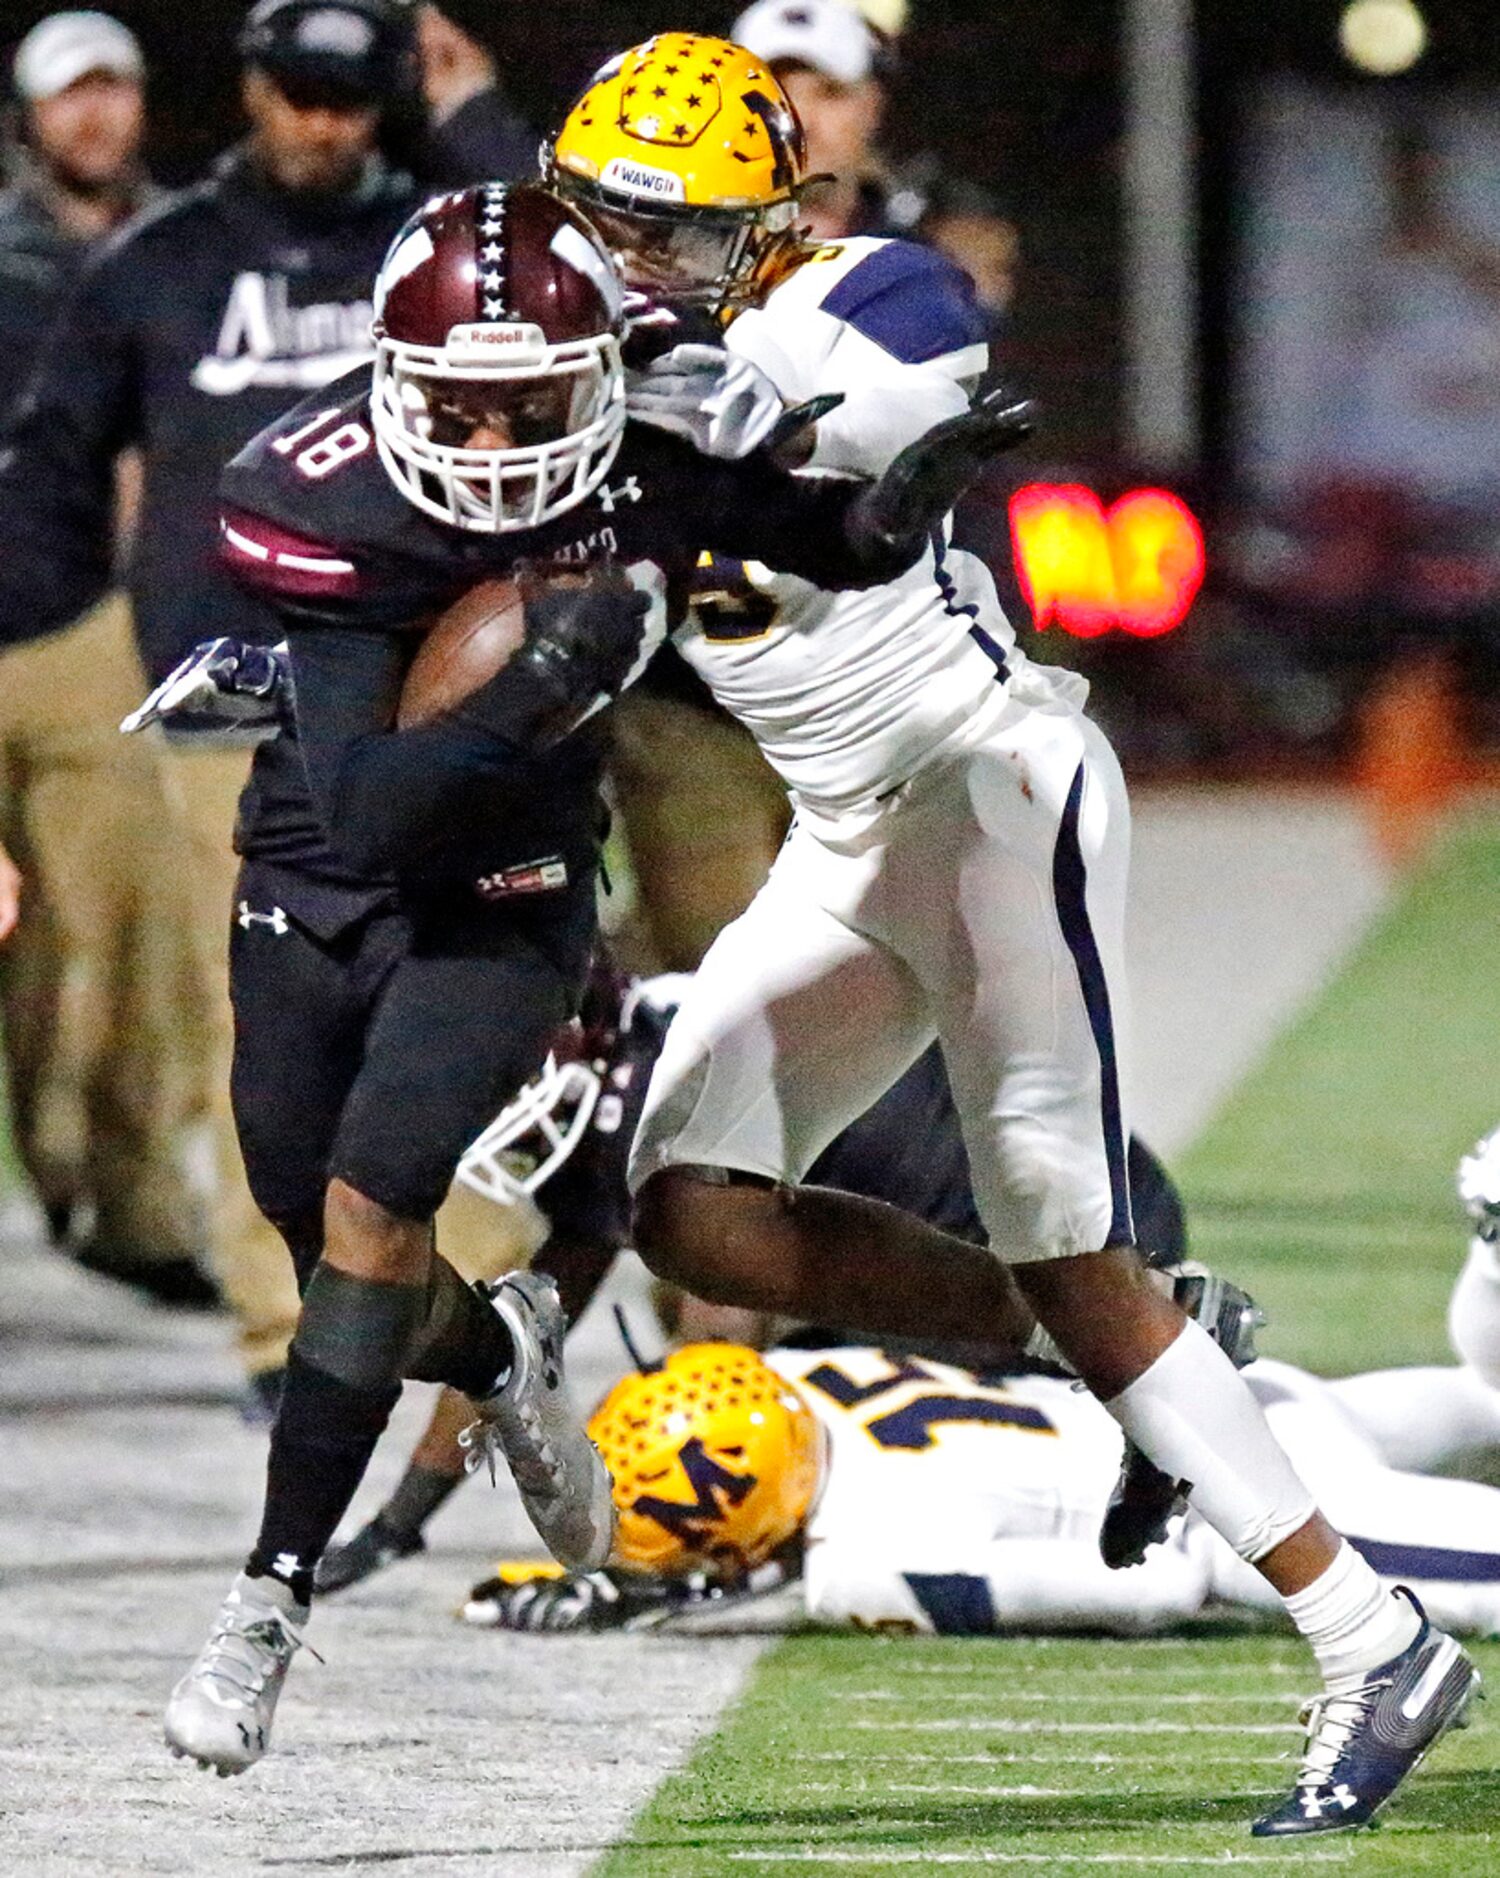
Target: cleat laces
{"points": [[235, 1658], [1331, 1721], [482, 1441]]}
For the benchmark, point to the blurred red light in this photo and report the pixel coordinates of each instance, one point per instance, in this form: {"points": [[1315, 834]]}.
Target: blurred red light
{"points": [[1135, 568]]}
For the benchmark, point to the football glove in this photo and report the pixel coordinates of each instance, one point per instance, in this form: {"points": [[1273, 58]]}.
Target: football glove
{"points": [[223, 684], [581, 646], [928, 477], [1479, 1187], [539, 1598], [718, 402]]}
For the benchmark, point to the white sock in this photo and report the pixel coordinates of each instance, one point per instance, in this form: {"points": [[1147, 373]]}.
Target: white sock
{"points": [[1193, 1414], [1352, 1622], [1474, 1312]]}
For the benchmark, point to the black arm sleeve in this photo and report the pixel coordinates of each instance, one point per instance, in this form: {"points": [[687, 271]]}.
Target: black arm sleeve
{"points": [[389, 800], [811, 526], [485, 140]]}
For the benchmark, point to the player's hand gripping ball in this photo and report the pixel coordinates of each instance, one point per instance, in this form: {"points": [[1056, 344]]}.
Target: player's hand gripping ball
{"points": [[466, 646]]}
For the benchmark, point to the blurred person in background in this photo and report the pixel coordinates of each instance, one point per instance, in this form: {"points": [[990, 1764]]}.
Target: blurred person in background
{"points": [[479, 135], [834, 61], [195, 329], [79, 84], [10, 894], [102, 1042]]}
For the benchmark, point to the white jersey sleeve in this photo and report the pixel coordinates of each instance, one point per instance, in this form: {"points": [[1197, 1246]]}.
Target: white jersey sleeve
{"points": [[890, 326]]}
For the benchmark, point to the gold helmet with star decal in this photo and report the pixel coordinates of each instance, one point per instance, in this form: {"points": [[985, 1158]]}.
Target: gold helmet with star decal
{"points": [[715, 1462], [687, 156]]}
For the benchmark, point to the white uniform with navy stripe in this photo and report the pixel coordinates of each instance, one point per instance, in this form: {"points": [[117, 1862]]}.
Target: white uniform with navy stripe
{"points": [[958, 860], [958, 1504]]}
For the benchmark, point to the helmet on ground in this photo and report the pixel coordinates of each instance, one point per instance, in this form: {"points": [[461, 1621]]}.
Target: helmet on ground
{"points": [[716, 1461], [533, 1135], [499, 397], [688, 157]]}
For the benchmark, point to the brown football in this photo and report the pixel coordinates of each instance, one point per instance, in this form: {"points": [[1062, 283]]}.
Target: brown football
{"points": [[463, 650]]}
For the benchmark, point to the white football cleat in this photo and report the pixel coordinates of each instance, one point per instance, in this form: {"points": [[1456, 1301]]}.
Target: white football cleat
{"points": [[220, 1714], [531, 1422]]}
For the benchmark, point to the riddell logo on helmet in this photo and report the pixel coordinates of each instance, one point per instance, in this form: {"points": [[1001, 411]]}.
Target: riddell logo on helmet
{"points": [[642, 178], [516, 337]]}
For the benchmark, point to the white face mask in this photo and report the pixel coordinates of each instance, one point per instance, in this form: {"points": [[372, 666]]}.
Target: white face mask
{"points": [[497, 431], [532, 1136]]}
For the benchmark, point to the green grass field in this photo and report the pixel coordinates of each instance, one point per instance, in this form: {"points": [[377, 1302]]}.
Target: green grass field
{"points": [[1326, 1186]]}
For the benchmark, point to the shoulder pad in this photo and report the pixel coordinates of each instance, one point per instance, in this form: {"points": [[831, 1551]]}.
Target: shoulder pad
{"points": [[910, 301]]}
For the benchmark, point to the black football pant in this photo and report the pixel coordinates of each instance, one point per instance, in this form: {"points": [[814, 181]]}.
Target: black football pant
{"points": [[376, 1056]]}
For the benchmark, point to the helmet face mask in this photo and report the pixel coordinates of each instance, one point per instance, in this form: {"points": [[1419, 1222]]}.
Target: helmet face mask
{"points": [[498, 399], [497, 449], [532, 1136], [703, 258]]}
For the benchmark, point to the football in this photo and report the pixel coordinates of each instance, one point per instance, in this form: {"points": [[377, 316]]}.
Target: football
{"points": [[463, 650]]}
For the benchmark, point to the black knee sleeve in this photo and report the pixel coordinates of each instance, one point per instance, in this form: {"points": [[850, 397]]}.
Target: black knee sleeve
{"points": [[357, 1331]]}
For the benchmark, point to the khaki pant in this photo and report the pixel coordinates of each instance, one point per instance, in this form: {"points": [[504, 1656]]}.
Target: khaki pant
{"points": [[98, 989], [704, 815], [250, 1261]]}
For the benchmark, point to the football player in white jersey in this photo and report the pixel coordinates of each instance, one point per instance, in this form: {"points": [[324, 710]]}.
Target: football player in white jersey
{"points": [[892, 1492], [956, 869]]}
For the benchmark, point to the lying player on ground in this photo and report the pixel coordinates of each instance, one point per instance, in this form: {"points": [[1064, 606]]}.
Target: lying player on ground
{"points": [[563, 1145], [956, 868], [993, 1525], [848, 1486], [419, 902]]}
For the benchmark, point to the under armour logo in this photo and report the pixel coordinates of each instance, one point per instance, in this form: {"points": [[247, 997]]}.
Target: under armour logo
{"points": [[287, 1565], [628, 491], [1313, 1806], [276, 919]]}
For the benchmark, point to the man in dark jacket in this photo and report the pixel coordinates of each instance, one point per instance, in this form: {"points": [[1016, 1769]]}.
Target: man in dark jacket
{"points": [[102, 1043]]}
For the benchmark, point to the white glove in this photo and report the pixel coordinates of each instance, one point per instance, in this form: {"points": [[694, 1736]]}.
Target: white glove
{"points": [[1479, 1187], [720, 403], [221, 685]]}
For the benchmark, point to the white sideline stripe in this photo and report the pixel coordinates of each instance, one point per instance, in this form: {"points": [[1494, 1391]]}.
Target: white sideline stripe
{"points": [[1197, 1698], [1023, 1792], [1015, 1725], [1048, 1755], [872, 1855]]}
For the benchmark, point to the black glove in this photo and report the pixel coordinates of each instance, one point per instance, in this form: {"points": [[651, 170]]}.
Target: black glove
{"points": [[581, 645], [928, 477], [223, 684], [574, 1601]]}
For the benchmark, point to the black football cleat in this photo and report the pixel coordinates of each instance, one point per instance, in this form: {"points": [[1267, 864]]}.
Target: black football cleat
{"points": [[1145, 1501], [1362, 1745], [371, 1549]]}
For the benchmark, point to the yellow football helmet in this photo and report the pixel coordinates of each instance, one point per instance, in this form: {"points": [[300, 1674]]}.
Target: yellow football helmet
{"points": [[688, 158], [716, 1461]]}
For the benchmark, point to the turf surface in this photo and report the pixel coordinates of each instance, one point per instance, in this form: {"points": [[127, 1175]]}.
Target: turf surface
{"points": [[1325, 1185]]}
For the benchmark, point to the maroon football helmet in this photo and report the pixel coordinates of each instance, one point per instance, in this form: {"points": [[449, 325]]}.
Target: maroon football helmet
{"points": [[499, 396]]}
